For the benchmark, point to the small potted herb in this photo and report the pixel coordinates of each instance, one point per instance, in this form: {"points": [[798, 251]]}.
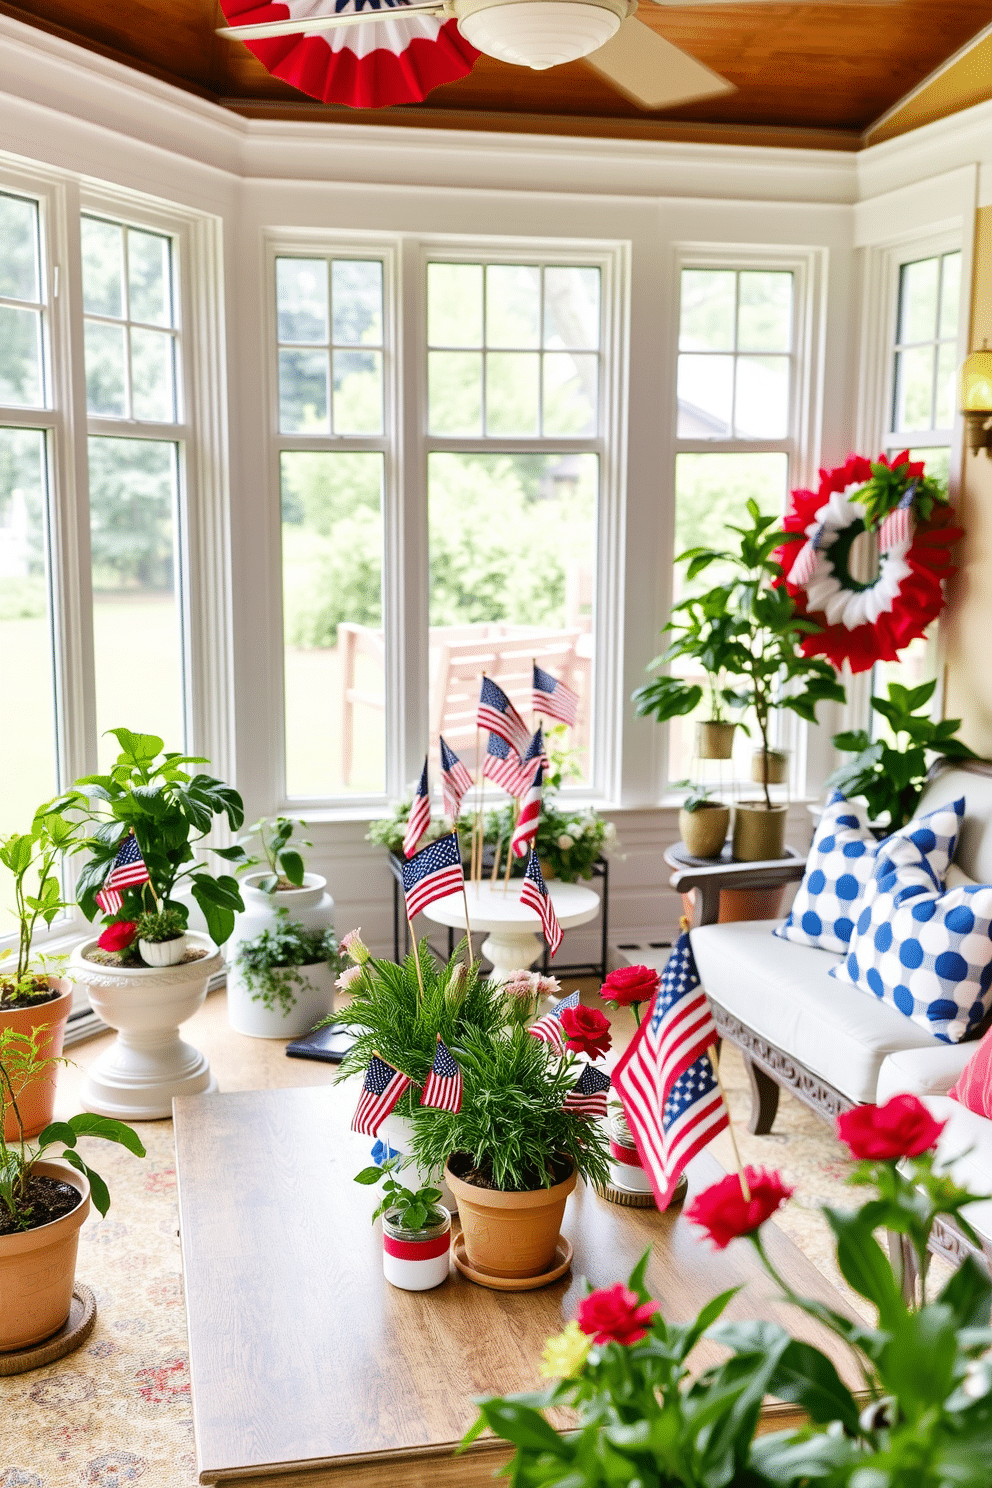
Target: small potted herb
{"points": [[161, 937], [416, 1231], [274, 877], [703, 822], [282, 980]]}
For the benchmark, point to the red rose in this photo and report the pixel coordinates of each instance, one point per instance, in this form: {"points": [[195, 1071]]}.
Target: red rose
{"points": [[903, 1127], [614, 1315], [117, 936], [724, 1212], [587, 1030], [629, 984]]}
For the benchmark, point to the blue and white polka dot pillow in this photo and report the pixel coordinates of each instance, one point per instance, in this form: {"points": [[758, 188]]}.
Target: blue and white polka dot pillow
{"points": [[838, 870]]}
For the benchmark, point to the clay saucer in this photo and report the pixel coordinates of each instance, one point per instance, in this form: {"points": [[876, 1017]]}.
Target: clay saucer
{"points": [[562, 1261]]}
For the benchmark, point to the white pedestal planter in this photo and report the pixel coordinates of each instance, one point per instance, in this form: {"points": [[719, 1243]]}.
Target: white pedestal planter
{"points": [[148, 1063], [313, 908], [416, 1261], [397, 1131], [248, 1014]]}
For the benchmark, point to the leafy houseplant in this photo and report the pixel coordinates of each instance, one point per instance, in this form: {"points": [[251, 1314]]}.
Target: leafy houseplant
{"points": [[705, 629], [703, 821], [416, 1230], [272, 963], [160, 926], [32, 856], [890, 775], [283, 862]]}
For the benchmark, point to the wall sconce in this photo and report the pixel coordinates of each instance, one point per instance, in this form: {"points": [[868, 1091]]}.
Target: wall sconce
{"points": [[976, 398]]}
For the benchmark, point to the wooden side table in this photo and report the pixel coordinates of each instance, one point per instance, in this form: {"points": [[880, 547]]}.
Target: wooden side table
{"points": [[730, 890]]}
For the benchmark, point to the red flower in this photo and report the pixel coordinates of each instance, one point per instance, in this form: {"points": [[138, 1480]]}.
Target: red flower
{"points": [[587, 1029], [629, 984], [903, 1127], [117, 936], [614, 1315], [724, 1212]]}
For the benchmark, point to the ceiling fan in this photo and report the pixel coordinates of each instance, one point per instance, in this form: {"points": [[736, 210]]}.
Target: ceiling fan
{"points": [[435, 41]]}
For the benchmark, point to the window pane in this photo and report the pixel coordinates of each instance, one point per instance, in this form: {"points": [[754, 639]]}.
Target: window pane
{"points": [[301, 299], [706, 322], [764, 317], [512, 380], [454, 304], [20, 276], [571, 393], [358, 392], [27, 753], [332, 602], [513, 305], [491, 594], [947, 384], [918, 301], [20, 357], [705, 393], [914, 388], [455, 392], [105, 369], [761, 409], [303, 392], [937, 460], [571, 308], [153, 382], [103, 267], [137, 626], [149, 277], [356, 292], [950, 295]]}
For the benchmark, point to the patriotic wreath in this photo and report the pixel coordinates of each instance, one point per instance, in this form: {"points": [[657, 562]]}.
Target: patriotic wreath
{"points": [[865, 622]]}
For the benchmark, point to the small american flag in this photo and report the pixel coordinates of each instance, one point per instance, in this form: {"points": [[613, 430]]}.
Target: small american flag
{"points": [[588, 1094], [665, 1080], [502, 764], [455, 781], [497, 713], [444, 1083], [381, 1089], [433, 873], [898, 526], [805, 565], [535, 895], [535, 755], [420, 815], [522, 841], [553, 698], [549, 1030], [127, 869]]}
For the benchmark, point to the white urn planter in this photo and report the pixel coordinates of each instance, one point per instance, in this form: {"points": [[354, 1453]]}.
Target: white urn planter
{"points": [[148, 1063], [310, 906], [249, 1014]]}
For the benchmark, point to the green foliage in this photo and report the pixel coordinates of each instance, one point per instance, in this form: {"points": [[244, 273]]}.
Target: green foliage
{"points": [[160, 925], [886, 488], [512, 1123], [890, 776], [285, 864], [169, 811], [270, 962], [698, 796], [404, 1207], [32, 857]]}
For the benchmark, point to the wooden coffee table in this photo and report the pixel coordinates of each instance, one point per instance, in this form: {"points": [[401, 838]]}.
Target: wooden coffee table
{"points": [[308, 1369]]}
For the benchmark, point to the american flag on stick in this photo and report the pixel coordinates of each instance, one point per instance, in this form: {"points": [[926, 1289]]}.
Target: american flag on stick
{"points": [[433, 873], [381, 1089], [553, 698], [420, 815], [898, 526], [496, 713], [588, 1095], [525, 831], [665, 1080], [127, 870], [502, 764], [443, 1088], [549, 1030], [535, 755], [455, 781], [535, 895]]}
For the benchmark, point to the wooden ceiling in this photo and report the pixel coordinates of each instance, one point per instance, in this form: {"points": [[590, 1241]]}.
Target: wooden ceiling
{"points": [[811, 73]]}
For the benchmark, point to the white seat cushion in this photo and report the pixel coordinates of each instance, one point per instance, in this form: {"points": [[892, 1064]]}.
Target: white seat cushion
{"points": [[784, 992], [971, 1168], [922, 1071]]}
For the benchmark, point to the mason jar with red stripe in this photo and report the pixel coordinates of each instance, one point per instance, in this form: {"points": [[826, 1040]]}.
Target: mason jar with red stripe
{"points": [[416, 1260], [625, 1165]]}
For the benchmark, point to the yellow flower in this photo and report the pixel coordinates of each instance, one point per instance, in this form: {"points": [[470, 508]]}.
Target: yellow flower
{"points": [[566, 1353]]}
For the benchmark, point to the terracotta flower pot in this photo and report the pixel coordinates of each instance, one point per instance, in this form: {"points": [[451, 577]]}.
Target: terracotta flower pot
{"points": [[38, 1268], [704, 831], [509, 1235], [778, 766], [36, 1102], [758, 833], [715, 740]]}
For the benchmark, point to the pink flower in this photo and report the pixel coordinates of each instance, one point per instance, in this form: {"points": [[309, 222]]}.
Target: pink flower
{"points": [[348, 977], [118, 936], [903, 1127], [614, 1315], [725, 1214], [353, 946]]}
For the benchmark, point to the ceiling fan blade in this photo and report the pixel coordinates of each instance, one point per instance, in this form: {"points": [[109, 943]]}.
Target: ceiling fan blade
{"points": [[651, 71], [309, 24]]}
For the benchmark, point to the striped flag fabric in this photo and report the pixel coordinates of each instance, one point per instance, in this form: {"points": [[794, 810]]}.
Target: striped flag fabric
{"points": [[443, 1088], [898, 526], [455, 781], [496, 713], [524, 833], [588, 1095], [127, 870], [665, 1080], [381, 1089], [535, 895], [502, 764], [432, 873], [535, 755], [420, 815], [548, 1029], [805, 565], [553, 698]]}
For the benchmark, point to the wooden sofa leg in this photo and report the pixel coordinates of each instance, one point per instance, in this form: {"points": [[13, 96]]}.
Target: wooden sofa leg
{"points": [[764, 1099]]}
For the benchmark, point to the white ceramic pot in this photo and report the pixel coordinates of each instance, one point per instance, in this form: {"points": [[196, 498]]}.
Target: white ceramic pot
{"points": [[310, 906], [626, 1171], [148, 1063], [418, 1261], [162, 952], [248, 1013], [397, 1131]]}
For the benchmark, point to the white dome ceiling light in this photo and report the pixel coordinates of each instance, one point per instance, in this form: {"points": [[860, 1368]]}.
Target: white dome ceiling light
{"points": [[540, 33]]}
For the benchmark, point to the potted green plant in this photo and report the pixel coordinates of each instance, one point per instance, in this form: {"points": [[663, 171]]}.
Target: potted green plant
{"points": [[703, 821], [889, 774], [282, 981], [45, 1194], [705, 629], [416, 1230], [161, 937], [512, 1154], [273, 874]]}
